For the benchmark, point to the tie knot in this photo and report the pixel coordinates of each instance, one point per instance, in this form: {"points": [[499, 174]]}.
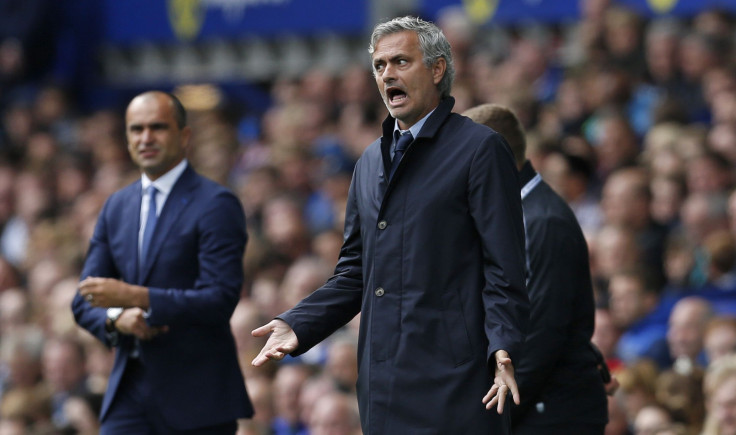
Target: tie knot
{"points": [[403, 141], [151, 190]]}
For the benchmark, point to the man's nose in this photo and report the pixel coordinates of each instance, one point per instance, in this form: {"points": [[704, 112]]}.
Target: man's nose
{"points": [[146, 135], [388, 73]]}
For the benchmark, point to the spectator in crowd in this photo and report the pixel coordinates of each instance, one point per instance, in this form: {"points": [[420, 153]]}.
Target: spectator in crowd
{"points": [[632, 305], [64, 371], [686, 331], [626, 201], [637, 387], [613, 249], [651, 419], [720, 392], [335, 414], [682, 395], [720, 338], [287, 386]]}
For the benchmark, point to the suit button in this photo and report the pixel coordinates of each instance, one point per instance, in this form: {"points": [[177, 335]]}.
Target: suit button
{"points": [[382, 225], [379, 291]]}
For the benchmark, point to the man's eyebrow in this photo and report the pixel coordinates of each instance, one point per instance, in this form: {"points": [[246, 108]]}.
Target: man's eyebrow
{"points": [[155, 125]]}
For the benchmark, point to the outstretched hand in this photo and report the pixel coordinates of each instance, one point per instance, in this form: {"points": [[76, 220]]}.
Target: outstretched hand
{"points": [[282, 341], [503, 383]]}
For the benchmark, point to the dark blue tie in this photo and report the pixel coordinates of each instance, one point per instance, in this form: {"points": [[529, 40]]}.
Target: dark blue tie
{"points": [[150, 224], [402, 143]]}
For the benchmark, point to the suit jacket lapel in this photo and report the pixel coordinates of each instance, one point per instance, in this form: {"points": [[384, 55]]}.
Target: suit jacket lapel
{"points": [[130, 223], [179, 198]]}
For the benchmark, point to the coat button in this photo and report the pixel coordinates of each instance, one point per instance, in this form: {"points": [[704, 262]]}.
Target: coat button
{"points": [[379, 291], [382, 225]]}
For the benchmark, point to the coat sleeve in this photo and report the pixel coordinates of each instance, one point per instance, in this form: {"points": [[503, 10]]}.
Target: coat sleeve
{"points": [[339, 300], [495, 206], [99, 263], [558, 262], [217, 288]]}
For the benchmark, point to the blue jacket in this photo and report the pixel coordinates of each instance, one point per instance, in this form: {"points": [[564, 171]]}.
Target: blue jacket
{"points": [[194, 278]]}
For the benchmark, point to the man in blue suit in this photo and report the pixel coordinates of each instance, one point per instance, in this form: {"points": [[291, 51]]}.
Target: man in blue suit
{"points": [[162, 277]]}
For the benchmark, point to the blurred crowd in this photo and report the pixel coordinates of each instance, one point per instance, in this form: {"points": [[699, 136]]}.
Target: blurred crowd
{"points": [[631, 120]]}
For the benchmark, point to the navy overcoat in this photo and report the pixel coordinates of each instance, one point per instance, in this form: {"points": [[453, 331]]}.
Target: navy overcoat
{"points": [[434, 261]]}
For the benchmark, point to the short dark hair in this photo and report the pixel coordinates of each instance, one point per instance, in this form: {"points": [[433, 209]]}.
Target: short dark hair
{"points": [[180, 113], [505, 122]]}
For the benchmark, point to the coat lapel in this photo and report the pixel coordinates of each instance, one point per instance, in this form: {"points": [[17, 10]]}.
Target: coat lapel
{"points": [[130, 223], [179, 198]]}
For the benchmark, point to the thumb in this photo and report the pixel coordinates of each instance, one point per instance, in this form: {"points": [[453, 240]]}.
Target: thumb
{"points": [[263, 330]]}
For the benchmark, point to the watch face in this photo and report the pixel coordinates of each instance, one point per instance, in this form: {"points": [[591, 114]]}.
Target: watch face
{"points": [[114, 313]]}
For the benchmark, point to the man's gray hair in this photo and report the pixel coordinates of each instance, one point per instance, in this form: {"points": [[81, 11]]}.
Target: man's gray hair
{"points": [[432, 42]]}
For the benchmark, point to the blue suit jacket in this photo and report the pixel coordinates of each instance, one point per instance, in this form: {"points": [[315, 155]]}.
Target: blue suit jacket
{"points": [[194, 278]]}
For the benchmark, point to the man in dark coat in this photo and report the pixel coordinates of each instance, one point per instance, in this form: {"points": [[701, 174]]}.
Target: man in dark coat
{"points": [[561, 388], [433, 257]]}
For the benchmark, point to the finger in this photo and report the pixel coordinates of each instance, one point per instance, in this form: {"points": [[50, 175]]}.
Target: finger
{"points": [[503, 362], [489, 395], [259, 360], [515, 392], [262, 331], [502, 397], [492, 403], [275, 355]]}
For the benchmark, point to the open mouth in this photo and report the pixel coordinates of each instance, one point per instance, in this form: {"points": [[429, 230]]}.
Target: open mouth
{"points": [[395, 95]]}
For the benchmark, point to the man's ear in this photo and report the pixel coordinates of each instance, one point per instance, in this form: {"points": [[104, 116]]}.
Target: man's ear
{"points": [[186, 134], [438, 70]]}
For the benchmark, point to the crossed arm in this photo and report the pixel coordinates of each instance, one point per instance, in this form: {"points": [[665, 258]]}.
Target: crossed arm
{"points": [[110, 292]]}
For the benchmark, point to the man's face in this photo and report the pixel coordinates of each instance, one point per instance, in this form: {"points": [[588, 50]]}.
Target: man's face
{"points": [[719, 342], [627, 301], [155, 141], [407, 86], [685, 334], [723, 406]]}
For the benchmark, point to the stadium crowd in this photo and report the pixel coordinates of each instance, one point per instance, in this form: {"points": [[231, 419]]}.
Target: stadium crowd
{"points": [[632, 121]]}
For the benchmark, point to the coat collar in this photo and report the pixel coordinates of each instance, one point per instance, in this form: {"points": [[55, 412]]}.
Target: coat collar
{"points": [[429, 130], [527, 173]]}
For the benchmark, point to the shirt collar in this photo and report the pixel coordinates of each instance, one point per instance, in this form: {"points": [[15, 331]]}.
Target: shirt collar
{"points": [[166, 182], [414, 129]]}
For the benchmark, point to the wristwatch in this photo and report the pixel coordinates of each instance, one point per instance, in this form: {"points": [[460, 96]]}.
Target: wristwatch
{"points": [[112, 315]]}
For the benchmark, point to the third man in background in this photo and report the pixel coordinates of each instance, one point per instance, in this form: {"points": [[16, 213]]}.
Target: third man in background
{"points": [[561, 389]]}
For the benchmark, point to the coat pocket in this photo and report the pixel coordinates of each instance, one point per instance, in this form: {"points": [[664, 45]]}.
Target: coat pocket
{"points": [[457, 332]]}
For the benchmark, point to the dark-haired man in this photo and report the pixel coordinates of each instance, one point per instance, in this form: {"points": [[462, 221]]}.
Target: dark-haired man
{"points": [[162, 277]]}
